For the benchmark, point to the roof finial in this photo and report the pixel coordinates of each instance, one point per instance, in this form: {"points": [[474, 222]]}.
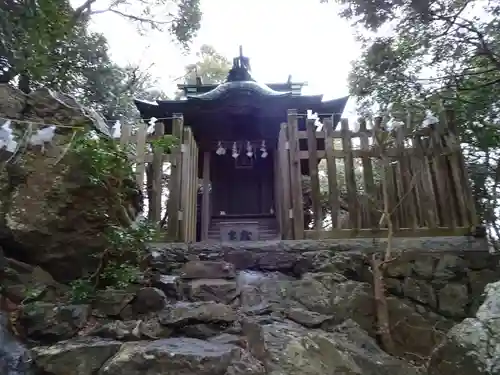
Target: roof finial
{"points": [[241, 68]]}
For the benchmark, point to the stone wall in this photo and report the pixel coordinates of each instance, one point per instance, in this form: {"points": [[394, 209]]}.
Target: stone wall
{"points": [[432, 283], [288, 307]]}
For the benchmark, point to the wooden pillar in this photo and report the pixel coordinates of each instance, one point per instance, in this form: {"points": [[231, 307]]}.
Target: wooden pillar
{"points": [[140, 160], [205, 204], [295, 176], [158, 174], [173, 205]]}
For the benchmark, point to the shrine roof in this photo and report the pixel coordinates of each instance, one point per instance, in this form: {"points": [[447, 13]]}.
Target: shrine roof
{"points": [[241, 94], [289, 86]]}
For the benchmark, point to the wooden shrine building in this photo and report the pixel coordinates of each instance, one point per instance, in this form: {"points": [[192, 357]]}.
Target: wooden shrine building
{"points": [[236, 126], [251, 145]]}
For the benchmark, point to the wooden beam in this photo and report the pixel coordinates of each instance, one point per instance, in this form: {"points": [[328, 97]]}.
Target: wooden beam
{"points": [[382, 233]]}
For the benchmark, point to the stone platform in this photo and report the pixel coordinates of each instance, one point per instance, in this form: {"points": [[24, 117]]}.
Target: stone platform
{"points": [[299, 256]]}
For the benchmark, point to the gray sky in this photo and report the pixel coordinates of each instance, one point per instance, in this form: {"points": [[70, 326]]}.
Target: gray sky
{"points": [[299, 37]]}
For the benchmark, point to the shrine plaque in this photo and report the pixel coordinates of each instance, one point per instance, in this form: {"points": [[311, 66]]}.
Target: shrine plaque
{"points": [[239, 231]]}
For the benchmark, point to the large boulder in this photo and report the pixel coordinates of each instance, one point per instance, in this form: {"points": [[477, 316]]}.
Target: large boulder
{"points": [[81, 356], [14, 357], [185, 356], [473, 346], [47, 322], [287, 348], [50, 212]]}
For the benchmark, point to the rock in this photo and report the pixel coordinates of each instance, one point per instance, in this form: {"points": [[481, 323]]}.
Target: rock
{"points": [[311, 294], [168, 284], [345, 300], [241, 259], [453, 300], [131, 330], [424, 266], [201, 331], [307, 318], [473, 346], [181, 356], [415, 333], [399, 268], [477, 282], [218, 290], [260, 309], [48, 322], [277, 261], [449, 266], [198, 269], [228, 338], [263, 291], [52, 216], [21, 281], [349, 265], [15, 359], [81, 356], [111, 302], [149, 300], [420, 291], [183, 313], [290, 349], [167, 258]]}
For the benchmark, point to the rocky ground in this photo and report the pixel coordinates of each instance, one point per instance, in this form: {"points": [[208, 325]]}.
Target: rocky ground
{"points": [[303, 308]]}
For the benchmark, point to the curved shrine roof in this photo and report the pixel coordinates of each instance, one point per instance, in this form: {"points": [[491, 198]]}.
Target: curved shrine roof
{"points": [[241, 94]]}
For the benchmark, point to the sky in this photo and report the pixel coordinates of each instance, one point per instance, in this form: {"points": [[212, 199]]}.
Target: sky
{"points": [[281, 37]]}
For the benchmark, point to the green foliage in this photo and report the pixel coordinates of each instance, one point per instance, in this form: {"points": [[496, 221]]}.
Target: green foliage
{"points": [[433, 55], [81, 291], [105, 165], [47, 43], [120, 264], [211, 66], [164, 143], [30, 30], [102, 160]]}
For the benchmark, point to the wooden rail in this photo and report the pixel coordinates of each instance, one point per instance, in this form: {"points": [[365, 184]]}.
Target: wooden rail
{"points": [[179, 208], [426, 178]]}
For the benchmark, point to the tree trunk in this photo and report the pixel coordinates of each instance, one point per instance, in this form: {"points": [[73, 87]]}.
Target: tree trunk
{"points": [[381, 307]]}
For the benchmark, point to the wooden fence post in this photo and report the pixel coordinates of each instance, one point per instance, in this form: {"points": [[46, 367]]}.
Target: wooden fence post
{"points": [[174, 187], [331, 165], [295, 176], [284, 177], [313, 173], [350, 180], [158, 173], [140, 158]]}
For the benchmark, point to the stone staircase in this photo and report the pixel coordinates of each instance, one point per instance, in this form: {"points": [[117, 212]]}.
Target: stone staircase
{"points": [[257, 229]]}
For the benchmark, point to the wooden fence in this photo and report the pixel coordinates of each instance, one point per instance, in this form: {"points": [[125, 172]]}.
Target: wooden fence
{"points": [[181, 210], [426, 181]]}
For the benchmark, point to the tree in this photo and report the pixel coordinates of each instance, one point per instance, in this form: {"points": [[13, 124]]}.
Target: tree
{"points": [[432, 54], [39, 40], [211, 67]]}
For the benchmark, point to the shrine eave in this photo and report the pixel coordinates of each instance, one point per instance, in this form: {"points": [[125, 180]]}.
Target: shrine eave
{"points": [[302, 103]]}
